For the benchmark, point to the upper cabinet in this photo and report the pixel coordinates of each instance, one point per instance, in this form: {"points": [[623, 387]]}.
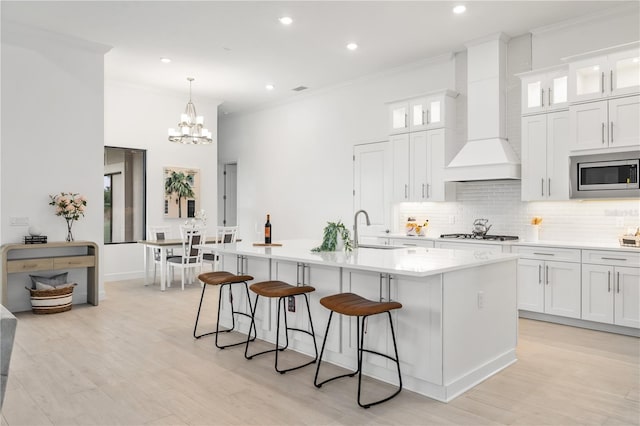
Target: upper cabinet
{"points": [[430, 111], [597, 77], [544, 90]]}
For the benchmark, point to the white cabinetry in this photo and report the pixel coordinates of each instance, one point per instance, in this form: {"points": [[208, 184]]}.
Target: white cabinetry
{"points": [[596, 77], [372, 181], [430, 111], [419, 159], [549, 280], [611, 287], [544, 90], [605, 124], [545, 157]]}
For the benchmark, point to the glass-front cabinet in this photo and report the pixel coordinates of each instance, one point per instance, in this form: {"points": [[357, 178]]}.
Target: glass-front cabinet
{"points": [[544, 90], [615, 74], [421, 113]]}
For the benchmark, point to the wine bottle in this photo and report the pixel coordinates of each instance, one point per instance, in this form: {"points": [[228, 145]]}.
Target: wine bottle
{"points": [[267, 230]]}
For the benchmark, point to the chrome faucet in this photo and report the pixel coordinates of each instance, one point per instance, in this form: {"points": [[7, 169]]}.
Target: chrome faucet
{"points": [[355, 226]]}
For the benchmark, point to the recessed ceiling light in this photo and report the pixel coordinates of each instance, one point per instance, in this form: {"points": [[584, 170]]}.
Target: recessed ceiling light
{"points": [[459, 9], [269, 87], [352, 46], [286, 20], [165, 60]]}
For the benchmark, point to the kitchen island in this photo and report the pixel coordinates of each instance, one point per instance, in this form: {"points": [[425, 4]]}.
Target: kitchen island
{"points": [[457, 327]]}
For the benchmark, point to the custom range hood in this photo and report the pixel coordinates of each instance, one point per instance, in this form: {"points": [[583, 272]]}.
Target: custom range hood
{"points": [[487, 154]]}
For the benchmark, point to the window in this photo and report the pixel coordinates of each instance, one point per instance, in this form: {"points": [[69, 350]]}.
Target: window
{"points": [[124, 195]]}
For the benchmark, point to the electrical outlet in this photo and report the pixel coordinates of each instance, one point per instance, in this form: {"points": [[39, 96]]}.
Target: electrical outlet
{"points": [[480, 299], [452, 219], [291, 302]]}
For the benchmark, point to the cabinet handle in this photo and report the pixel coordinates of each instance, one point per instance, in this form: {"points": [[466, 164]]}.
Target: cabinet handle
{"points": [[542, 187], [428, 117], [608, 281], [618, 282], [389, 278], [603, 133], [539, 274], [613, 258], [549, 188], [544, 254], [541, 97], [298, 273], [423, 190], [611, 80], [612, 132], [602, 82], [423, 120], [427, 190], [549, 96], [380, 299], [406, 188], [405, 121], [547, 274], [238, 265]]}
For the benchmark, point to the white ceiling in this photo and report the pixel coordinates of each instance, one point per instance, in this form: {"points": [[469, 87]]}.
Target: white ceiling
{"points": [[233, 49]]}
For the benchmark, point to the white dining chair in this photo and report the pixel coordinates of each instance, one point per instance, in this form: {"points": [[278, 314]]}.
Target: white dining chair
{"points": [[224, 235], [159, 233], [191, 258]]}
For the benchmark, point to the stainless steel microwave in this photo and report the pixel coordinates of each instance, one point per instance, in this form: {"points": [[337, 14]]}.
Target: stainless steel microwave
{"points": [[605, 175]]}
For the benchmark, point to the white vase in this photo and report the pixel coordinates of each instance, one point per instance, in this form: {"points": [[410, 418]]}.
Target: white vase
{"points": [[534, 233]]}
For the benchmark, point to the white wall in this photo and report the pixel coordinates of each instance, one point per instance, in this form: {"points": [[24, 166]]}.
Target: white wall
{"points": [[552, 43], [52, 131], [136, 117], [295, 159]]}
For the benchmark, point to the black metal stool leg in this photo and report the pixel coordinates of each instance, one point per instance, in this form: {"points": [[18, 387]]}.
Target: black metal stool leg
{"points": [[361, 349], [281, 302], [324, 343], [233, 319]]}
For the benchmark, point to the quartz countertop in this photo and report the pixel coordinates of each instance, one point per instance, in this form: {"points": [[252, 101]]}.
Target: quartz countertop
{"points": [[410, 261]]}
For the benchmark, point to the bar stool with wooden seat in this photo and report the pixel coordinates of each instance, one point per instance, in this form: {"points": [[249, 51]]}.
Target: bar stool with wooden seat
{"points": [[351, 304], [223, 278], [282, 290]]}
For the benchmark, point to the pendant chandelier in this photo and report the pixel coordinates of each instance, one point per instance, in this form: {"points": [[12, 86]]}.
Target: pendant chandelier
{"points": [[191, 126]]}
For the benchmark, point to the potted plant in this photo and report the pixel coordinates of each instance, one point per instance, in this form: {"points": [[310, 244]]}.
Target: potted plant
{"points": [[332, 232]]}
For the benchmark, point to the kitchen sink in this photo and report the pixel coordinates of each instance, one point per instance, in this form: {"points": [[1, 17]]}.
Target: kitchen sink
{"points": [[380, 246]]}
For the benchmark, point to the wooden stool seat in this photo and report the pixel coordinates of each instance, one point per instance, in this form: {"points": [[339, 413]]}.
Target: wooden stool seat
{"points": [[279, 289], [223, 277], [356, 306]]}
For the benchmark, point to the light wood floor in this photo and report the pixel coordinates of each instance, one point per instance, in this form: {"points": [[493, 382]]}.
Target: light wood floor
{"points": [[133, 361]]}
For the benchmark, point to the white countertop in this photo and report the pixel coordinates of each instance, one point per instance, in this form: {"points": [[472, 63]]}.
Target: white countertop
{"points": [[613, 245], [410, 261]]}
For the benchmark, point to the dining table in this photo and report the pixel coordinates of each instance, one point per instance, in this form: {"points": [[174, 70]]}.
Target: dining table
{"points": [[163, 246]]}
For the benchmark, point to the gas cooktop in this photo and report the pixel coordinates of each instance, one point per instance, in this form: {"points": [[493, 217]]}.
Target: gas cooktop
{"points": [[480, 237]]}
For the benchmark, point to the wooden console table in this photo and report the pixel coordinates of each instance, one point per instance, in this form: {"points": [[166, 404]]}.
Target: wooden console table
{"points": [[52, 263]]}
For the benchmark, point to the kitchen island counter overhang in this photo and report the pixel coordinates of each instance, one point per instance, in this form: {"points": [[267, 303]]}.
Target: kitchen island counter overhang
{"points": [[457, 326]]}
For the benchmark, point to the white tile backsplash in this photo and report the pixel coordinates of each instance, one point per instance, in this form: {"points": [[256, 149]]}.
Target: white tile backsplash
{"points": [[597, 221]]}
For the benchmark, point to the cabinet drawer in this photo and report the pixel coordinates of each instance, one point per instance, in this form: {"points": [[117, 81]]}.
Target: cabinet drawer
{"points": [[547, 253], [612, 258], [29, 265], [74, 262]]}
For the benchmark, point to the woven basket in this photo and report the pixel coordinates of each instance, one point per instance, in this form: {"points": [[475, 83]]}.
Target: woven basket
{"points": [[51, 301]]}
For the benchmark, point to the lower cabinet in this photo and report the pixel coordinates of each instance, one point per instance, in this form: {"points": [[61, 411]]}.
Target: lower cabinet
{"points": [[260, 270], [611, 294], [417, 324], [549, 286], [328, 282]]}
